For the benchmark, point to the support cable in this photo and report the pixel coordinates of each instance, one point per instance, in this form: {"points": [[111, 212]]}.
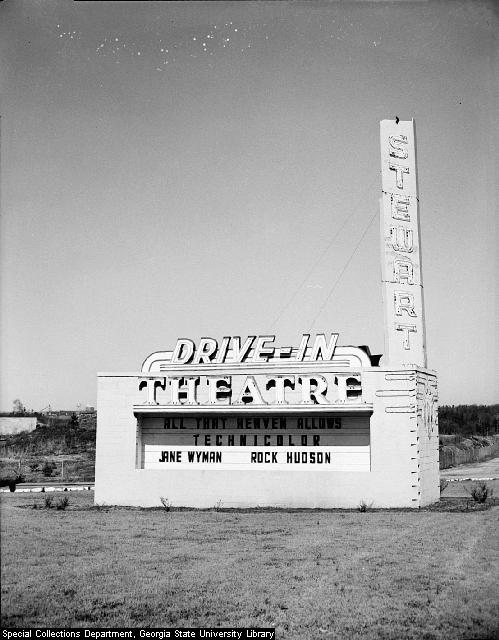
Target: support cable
{"points": [[311, 270], [336, 282]]}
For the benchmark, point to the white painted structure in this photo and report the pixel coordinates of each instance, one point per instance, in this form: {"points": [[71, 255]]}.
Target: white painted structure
{"points": [[248, 423], [16, 424], [405, 340]]}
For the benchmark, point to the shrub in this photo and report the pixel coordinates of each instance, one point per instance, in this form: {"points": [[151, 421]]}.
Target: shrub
{"points": [[48, 502], [363, 506], [481, 492], [48, 469], [62, 504], [166, 503], [9, 474]]}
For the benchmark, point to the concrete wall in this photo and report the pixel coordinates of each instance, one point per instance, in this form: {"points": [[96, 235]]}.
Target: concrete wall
{"points": [[9, 425], [403, 470], [427, 438]]}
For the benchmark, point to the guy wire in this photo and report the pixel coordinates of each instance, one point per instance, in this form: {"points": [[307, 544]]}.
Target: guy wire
{"points": [[314, 265], [336, 282]]}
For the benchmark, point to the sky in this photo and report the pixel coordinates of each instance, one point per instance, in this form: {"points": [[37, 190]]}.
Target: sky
{"points": [[186, 169]]}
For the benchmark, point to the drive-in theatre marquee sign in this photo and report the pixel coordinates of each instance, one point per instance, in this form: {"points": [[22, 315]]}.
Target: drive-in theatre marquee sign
{"points": [[252, 394], [246, 421]]}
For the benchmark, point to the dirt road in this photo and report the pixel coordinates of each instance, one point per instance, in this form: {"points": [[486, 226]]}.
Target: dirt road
{"points": [[487, 470], [461, 479]]}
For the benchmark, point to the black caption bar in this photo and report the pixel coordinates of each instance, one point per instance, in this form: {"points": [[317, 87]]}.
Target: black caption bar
{"points": [[137, 633]]}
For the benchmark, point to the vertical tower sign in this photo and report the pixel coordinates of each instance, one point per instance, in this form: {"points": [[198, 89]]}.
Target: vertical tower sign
{"points": [[402, 282]]}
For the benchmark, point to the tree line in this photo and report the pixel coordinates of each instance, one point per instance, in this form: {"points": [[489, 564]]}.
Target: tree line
{"points": [[469, 419]]}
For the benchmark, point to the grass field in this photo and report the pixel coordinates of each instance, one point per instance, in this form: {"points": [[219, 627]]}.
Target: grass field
{"points": [[309, 574]]}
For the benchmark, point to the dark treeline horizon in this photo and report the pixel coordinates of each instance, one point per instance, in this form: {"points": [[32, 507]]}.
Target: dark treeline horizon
{"points": [[468, 419]]}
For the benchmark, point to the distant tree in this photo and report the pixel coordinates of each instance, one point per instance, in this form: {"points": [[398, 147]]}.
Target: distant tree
{"points": [[18, 406], [48, 469]]}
